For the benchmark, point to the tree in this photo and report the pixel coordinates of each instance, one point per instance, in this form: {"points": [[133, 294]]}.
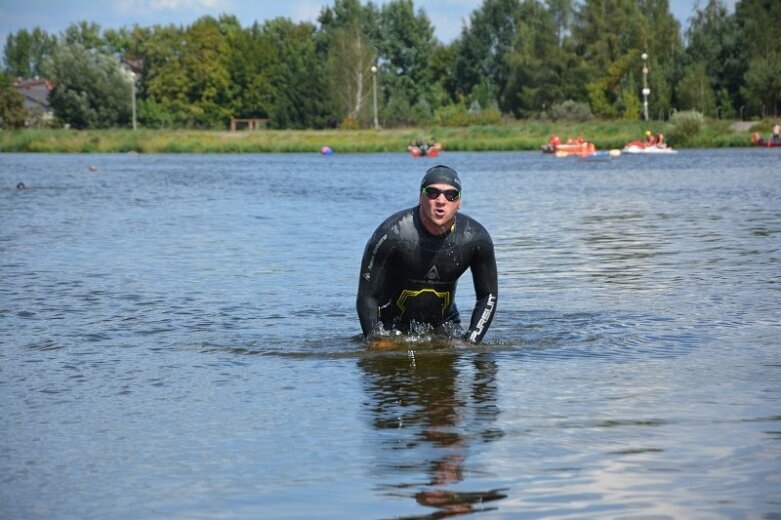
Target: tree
{"points": [[84, 33], [204, 61], [12, 112], [763, 84], [714, 40], [484, 47], [252, 63], [405, 48], [562, 13], [164, 84], [347, 41], [664, 47], [607, 95], [542, 71], [609, 37], [90, 88], [759, 21], [25, 52], [441, 65], [301, 95], [606, 30], [119, 42], [348, 70], [695, 93]]}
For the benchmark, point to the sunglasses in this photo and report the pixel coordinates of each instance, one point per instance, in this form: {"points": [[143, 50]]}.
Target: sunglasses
{"points": [[433, 193]]}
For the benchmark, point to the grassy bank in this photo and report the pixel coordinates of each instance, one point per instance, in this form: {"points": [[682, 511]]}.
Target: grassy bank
{"points": [[519, 135]]}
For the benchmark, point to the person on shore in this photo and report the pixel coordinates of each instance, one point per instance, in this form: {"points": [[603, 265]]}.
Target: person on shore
{"points": [[776, 136], [412, 263]]}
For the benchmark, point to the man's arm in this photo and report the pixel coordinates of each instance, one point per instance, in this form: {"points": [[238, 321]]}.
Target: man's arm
{"points": [[486, 291], [372, 282]]}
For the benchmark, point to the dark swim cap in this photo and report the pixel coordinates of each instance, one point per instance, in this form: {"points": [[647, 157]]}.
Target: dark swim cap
{"points": [[441, 174]]}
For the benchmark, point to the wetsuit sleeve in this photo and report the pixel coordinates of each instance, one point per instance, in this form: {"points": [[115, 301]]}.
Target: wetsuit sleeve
{"points": [[372, 282], [483, 268]]}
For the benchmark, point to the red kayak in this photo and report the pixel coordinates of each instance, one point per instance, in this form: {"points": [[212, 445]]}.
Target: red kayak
{"points": [[773, 142], [424, 151]]}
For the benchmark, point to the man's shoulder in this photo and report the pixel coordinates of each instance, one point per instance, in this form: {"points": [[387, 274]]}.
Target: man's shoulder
{"points": [[473, 233], [470, 224], [397, 220]]}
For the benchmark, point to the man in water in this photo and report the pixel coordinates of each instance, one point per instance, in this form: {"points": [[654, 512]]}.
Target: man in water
{"points": [[412, 263]]}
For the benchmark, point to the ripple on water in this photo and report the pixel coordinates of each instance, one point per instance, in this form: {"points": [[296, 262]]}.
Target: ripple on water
{"points": [[609, 335]]}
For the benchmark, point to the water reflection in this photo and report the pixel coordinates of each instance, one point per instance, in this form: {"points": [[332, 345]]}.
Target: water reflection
{"points": [[429, 410]]}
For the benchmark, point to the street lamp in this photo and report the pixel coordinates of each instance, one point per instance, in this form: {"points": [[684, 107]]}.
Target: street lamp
{"points": [[374, 90], [131, 77], [646, 90]]}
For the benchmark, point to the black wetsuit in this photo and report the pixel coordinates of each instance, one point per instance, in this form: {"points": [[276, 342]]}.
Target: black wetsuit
{"points": [[410, 276]]}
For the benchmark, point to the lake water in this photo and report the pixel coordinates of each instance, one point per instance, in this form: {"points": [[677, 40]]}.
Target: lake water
{"points": [[178, 339]]}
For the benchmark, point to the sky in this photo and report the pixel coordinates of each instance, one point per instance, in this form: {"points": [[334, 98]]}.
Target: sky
{"points": [[447, 16]]}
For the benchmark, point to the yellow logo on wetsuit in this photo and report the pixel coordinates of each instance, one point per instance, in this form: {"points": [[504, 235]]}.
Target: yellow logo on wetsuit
{"points": [[406, 294]]}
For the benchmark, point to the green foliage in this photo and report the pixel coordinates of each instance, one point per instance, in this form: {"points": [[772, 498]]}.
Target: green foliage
{"points": [[25, 52], [301, 99], [629, 101], [610, 35], [349, 74], [208, 78], [164, 80], [631, 105], [520, 56], [695, 93], [406, 45], [607, 94], [456, 115], [725, 109], [763, 84], [570, 110], [91, 90], [484, 48], [607, 30], [349, 123], [484, 95], [252, 63], [12, 112], [685, 127], [502, 135], [441, 65], [759, 21], [152, 114], [715, 41], [540, 70], [84, 33]]}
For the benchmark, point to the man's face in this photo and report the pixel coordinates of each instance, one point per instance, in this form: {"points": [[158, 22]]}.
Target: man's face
{"points": [[438, 213]]}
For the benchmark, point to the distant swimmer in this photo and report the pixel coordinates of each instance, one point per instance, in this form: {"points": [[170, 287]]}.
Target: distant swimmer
{"points": [[412, 263], [93, 168], [21, 186]]}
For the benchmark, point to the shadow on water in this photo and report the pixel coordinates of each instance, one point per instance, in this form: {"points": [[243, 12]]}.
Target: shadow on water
{"points": [[430, 408]]}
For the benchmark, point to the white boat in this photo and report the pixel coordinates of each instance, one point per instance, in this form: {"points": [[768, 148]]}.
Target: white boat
{"points": [[637, 148]]}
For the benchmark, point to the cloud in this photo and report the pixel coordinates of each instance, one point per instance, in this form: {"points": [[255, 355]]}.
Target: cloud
{"points": [[306, 10], [149, 7]]}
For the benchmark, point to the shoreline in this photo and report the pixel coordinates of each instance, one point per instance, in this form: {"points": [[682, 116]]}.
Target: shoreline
{"points": [[514, 136]]}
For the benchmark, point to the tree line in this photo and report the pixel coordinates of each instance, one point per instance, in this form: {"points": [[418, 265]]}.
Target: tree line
{"points": [[519, 58]]}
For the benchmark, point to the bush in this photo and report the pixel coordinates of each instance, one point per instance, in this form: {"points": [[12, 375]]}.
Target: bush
{"points": [[571, 111], [685, 126], [154, 115], [349, 123], [457, 115]]}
